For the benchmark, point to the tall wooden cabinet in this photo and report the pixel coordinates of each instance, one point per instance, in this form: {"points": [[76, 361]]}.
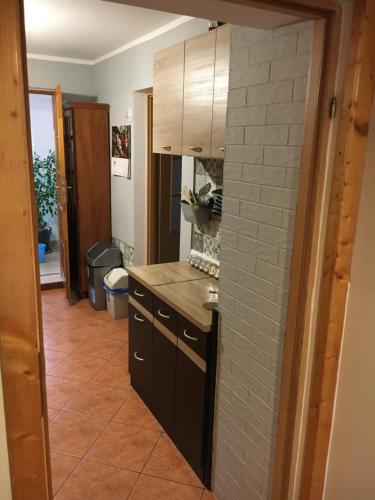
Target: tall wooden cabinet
{"points": [[221, 80], [86, 130], [190, 95], [168, 99], [198, 94]]}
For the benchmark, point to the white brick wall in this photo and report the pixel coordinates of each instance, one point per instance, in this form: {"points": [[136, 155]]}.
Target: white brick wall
{"points": [[263, 144]]}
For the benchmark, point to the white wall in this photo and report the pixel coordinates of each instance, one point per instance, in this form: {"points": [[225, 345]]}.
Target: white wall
{"points": [[43, 137], [5, 491], [41, 116], [74, 78], [351, 460], [115, 81]]}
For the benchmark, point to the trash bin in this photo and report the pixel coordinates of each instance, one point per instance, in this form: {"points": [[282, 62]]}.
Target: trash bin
{"points": [[117, 292], [100, 259]]}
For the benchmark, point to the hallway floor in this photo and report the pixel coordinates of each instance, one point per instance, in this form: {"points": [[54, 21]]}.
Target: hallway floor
{"points": [[50, 269], [105, 444]]}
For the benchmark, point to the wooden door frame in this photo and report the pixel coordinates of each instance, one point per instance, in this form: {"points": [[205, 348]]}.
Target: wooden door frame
{"points": [[151, 182], [21, 338], [52, 93], [21, 341]]}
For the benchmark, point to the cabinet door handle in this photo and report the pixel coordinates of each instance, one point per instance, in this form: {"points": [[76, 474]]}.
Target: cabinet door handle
{"points": [[138, 318], [162, 315], [222, 149], [138, 357], [197, 149], [189, 336], [138, 294], [167, 148]]}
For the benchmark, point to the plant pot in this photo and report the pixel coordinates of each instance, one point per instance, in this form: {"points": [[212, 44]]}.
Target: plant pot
{"points": [[198, 216], [44, 236]]}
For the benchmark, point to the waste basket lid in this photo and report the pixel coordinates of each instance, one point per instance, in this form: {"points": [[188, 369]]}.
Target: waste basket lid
{"points": [[117, 278], [103, 254]]}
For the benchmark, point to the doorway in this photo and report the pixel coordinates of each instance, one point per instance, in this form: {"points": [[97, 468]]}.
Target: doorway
{"points": [[43, 141]]}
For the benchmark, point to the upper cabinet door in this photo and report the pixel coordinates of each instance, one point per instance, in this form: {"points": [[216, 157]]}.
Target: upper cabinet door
{"points": [[198, 94], [168, 100], [219, 112]]}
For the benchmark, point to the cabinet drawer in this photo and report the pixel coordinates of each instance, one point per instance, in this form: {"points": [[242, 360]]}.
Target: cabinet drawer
{"points": [[193, 337], [140, 367], [140, 293], [165, 314], [140, 329]]}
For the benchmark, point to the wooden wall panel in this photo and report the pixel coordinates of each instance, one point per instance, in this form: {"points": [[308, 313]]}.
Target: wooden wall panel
{"points": [[341, 226], [20, 308]]}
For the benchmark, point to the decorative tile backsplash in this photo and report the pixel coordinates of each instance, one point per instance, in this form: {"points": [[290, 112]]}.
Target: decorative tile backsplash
{"points": [[206, 238], [127, 252]]}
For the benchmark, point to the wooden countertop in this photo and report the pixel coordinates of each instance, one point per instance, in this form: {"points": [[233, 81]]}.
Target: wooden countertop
{"points": [[161, 274], [187, 298], [182, 287]]}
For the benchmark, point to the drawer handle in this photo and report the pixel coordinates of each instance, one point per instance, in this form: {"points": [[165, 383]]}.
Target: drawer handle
{"points": [[197, 149], [138, 357], [189, 336], [167, 148], [138, 318], [138, 294], [162, 315], [222, 150]]}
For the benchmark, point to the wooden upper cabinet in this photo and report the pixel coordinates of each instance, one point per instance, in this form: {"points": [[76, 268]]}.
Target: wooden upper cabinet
{"points": [[168, 100], [198, 94], [219, 112]]}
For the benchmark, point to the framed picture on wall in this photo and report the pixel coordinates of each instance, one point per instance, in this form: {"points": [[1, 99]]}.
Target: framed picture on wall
{"points": [[121, 145]]}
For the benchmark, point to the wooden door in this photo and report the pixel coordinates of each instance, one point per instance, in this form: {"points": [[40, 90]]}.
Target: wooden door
{"points": [[167, 238], [21, 342], [92, 176], [168, 99], [140, 367], [219, 111], [198, 94], [163, 379], [62, 190]]}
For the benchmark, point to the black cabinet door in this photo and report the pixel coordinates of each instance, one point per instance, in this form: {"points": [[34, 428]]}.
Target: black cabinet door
{"points": [[140, 367], [163, 380], [189, 411], [141, 329]]}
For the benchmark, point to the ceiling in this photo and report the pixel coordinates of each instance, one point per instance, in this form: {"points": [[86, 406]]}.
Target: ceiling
{"points": [[89, 29]]}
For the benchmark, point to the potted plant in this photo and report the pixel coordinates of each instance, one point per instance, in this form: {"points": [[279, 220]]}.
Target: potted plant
{"points": [[45, 190]]}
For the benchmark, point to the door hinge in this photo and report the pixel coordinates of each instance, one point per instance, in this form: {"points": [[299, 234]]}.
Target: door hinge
{"points": [[332, 108]]}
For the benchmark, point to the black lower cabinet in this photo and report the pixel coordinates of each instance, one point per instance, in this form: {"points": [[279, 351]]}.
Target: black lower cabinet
{"points": [[163, 380], [172, 367], [140, 367], [189, 411]]}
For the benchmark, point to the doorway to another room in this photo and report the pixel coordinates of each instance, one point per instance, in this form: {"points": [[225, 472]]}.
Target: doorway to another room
{"points": [[44, 167]]}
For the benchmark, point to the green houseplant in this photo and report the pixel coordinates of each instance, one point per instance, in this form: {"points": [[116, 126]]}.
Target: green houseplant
{"points": [[45, 190]]}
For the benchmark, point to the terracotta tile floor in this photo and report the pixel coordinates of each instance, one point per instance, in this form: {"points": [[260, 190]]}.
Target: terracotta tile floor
{"points": [[105, 443]]}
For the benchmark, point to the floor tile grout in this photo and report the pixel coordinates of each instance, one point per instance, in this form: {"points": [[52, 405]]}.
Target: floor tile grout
{"points": [[79, 316]]}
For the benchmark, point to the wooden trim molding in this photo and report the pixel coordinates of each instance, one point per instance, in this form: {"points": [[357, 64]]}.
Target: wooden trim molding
{"points": [[341, 227], [21, 344]]}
